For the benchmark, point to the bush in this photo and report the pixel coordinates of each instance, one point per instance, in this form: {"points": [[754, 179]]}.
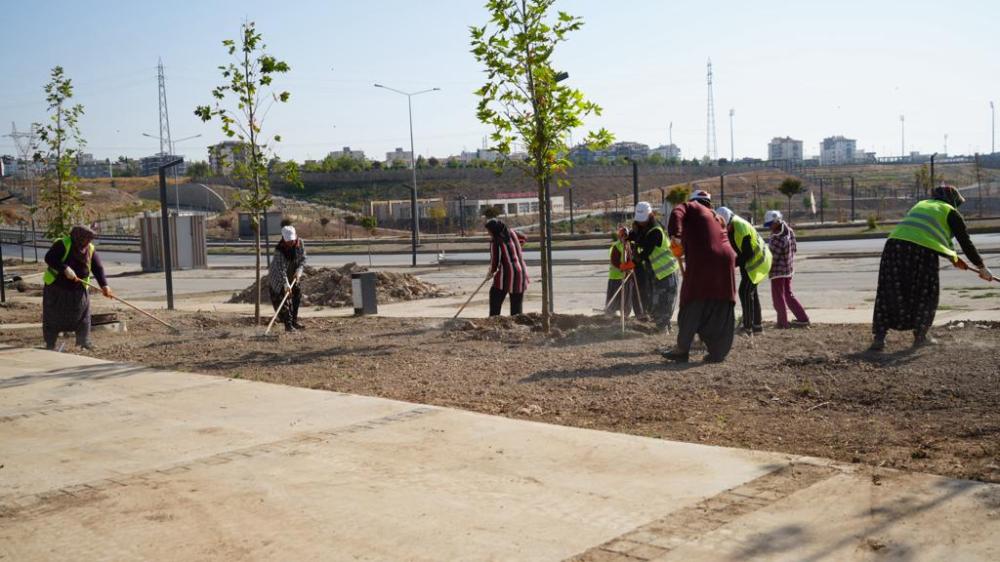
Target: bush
{"points": [[872, 221]]}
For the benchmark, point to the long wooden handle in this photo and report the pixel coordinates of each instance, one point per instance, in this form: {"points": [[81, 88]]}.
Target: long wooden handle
{"points": [[280, 306], [130, 305], [474, 293]]}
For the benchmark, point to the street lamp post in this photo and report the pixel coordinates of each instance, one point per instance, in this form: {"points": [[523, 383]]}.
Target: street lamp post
{"points": [[993, 128], [414, 209]]}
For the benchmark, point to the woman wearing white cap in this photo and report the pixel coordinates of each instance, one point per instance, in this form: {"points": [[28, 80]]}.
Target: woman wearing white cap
{"points": [[283, 277], [782, 244]]}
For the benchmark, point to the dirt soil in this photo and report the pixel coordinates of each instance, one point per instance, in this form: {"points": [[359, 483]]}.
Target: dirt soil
{"points": [[804, 391]]}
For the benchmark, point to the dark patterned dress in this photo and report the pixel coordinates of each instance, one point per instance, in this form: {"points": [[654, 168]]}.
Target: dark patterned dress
{"points": [[908, 284]]}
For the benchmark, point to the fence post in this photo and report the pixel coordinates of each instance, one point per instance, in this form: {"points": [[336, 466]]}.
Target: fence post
{"points": [[852, 198]]}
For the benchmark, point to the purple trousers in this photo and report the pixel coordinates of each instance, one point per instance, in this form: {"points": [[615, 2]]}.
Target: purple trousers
{"points": [[783, 299]]}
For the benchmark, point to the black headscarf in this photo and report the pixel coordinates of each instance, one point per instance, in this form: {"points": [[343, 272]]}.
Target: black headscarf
{"points": [[498, 230], [948, 194], [81, 236]]}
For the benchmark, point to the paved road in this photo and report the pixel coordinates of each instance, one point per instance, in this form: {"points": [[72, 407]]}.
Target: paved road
{"points": [[107, 461], [805, 248]]}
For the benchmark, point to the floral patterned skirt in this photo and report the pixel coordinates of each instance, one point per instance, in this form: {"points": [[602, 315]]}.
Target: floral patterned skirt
{"points": [[908, 288]]}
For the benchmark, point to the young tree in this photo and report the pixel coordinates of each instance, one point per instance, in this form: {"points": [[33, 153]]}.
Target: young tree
{"points": [[199, 170], [679, 194], [247, 82], [790, 187], [525, 102], [60, 196], [490, 212]]}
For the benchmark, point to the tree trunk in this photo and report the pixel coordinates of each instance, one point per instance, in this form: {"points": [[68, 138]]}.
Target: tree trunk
{"points": [[543, 246]]}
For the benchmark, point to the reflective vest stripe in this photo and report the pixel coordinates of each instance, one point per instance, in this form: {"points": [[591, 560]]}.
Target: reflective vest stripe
{"points": [[50, 274], [759, 264], [927, 225], [927, 222], [613, 272], [662, 259]]}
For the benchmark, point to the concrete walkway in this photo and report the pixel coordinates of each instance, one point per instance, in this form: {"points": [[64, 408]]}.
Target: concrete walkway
{"points": [[105, 461]]}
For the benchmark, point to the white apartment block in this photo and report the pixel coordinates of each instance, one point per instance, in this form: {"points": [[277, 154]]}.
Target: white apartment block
{"points": [[785, 148]]}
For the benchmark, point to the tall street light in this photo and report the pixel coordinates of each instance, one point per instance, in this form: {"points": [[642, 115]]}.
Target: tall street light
{"points": [[732, 144], [173, 152], [414, 209], [993, 129]]}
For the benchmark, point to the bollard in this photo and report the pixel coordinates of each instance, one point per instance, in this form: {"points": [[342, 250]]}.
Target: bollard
{"points": [[363, 293]]}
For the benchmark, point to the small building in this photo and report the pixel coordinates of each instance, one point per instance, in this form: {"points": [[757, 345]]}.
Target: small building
{"points": [[93, 168], [398, 155], [507, 205], [667, 152], [150, 165], [346, 152], [223, 156], [400, 210], [785, 148], [837, 150]]}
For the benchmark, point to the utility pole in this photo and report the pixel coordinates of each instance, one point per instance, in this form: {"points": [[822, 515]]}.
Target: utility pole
{"points": [[979, 186], [993, 129], [732, 145], [635, 182], [946, 144]]}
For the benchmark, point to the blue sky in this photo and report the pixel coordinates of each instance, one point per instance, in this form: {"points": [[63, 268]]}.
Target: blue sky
{"points": [[805, 69]]}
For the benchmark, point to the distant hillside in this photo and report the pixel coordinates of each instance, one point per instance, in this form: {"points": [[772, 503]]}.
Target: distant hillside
{"points": [[590, 184]]}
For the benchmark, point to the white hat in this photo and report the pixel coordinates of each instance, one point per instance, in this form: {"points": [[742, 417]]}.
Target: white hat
{"points": [[771, 216], [725, 213], [288, 233], [642, 211], [700, 195]]}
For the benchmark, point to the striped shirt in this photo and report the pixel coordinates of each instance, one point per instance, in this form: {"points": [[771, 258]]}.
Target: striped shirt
{"points": [[507, 260]]}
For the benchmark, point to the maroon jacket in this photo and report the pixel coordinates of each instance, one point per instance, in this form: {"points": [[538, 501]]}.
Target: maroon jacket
{"points": [[709, 258]]}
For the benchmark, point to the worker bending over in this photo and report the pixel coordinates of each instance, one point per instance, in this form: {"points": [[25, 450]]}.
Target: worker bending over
{"points": [[652, 248], [753, 257], [708, 294], [285, 276]]}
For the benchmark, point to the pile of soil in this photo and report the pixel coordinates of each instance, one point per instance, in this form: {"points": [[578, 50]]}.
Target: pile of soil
{"points": [[327, 286], [565, 329]]}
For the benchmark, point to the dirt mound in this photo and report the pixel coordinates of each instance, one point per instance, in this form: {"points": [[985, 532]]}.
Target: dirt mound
{"points": [[332, 287], [566, 329]]}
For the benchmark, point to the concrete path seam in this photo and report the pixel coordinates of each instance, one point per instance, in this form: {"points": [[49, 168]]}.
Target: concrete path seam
{"points": [[688, 524]]}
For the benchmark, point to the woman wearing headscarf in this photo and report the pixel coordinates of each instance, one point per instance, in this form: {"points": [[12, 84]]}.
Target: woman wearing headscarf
{"points": [[284, 276], [908, 281], [507, 267], [72, 261]]}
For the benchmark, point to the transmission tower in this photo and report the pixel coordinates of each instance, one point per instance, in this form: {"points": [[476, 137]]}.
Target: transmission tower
{"points": [[24, 142], [165, 146], [711, 148]]}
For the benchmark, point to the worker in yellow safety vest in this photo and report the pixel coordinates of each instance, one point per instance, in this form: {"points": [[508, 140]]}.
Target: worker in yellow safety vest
{"points": [[620, 264], [657, 262], [72, 261], [753, 257], [908, 278]]}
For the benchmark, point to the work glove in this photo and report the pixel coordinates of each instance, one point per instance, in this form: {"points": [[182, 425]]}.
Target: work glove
{"points": [[288, 286], [985, 274], [107, 291], [490, 274], [70, 274], [960, 264]]}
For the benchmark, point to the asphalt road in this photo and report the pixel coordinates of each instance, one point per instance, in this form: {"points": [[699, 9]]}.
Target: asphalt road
{"points": [[805, 248]]}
